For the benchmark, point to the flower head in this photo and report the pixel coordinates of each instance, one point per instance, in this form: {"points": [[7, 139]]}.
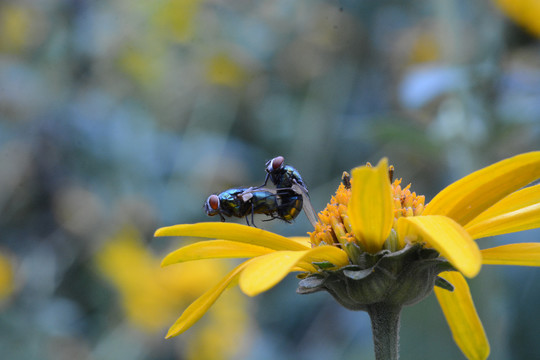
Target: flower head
{"points": [[378, 243]]}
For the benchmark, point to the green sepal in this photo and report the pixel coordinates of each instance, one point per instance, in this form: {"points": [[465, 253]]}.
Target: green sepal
{"points": [[444, 284], [324, 265], [311, 284], [396, 278], [356, 274], [354, 251]]}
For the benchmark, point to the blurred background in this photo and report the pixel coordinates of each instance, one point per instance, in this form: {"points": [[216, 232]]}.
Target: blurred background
{"points": [[119, 117]]}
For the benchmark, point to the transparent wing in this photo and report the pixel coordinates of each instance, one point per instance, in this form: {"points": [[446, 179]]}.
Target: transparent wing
{"points": [[248, 193], [307, 207]]}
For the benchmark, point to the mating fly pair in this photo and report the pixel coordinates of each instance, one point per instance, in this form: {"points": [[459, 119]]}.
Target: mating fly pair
{"points": [[284, 202]]}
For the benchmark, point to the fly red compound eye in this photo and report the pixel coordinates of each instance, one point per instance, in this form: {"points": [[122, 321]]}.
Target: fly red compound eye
{"points": [[276, 163], [213, 202]]}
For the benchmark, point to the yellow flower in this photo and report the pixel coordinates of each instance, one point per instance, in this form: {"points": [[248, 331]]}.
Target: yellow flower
{"points": [[523, 12], [16, 25], [151, 296], [374, 225], [177, 19], [223, 70], [7, 278]]}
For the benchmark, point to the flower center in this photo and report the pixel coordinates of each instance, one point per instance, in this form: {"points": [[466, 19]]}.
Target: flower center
{"points": [[334, 227]]}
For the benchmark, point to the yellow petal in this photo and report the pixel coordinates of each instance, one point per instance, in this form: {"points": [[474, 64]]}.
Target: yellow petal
{"points": [[447, 237], [200, 306], [524, 254], [304, 240], [518, 220], [371, 207], [460, 313], [233, 232], [516, 212], [213, 249], [328, 253], [304, 266], [467, 198], [266, 271], [515, 201]]}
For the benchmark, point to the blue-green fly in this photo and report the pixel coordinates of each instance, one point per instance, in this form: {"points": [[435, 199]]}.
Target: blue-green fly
{"points": [[288, 182], [241, 202]]}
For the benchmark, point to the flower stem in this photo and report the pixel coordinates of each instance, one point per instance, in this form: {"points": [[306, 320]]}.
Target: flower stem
{"points": [[385, 326]]}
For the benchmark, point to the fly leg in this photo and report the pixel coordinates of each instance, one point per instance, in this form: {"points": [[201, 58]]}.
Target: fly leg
{"points": [[272, 217], [252, 215], [265, 182]]}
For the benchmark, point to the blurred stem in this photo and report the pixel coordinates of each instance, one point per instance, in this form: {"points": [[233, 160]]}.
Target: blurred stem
{"points": [[385, 326]]}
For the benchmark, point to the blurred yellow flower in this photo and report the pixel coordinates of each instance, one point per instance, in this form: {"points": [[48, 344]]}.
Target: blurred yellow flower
{"points": [[151, 296], [177, 18], [141, 65], [425, 47], [15, 22], [373, 228], [222, 70], [7, 279], [524, 12]]}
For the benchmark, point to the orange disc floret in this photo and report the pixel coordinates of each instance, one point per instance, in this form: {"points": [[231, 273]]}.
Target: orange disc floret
{"points": [[406, 203], [334, 226]]}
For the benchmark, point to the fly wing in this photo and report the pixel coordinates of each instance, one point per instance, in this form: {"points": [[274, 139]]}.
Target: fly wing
{"points": [[248, 193], [306, 205]]}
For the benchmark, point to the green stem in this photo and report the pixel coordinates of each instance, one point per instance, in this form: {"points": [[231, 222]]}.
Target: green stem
{"points": [[385, 326]]}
